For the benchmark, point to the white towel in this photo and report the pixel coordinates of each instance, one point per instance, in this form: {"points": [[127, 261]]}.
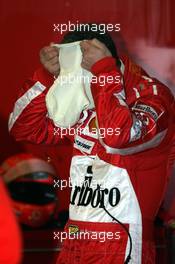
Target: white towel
{"points": [[70, 94]]}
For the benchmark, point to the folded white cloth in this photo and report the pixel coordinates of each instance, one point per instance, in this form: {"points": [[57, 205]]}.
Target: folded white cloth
{"points": [[70, 94]]}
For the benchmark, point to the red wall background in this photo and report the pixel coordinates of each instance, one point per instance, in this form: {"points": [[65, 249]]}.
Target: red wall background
{"points": [[27, 26]]}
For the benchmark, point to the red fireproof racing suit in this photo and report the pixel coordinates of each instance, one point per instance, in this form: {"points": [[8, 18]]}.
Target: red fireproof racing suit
{"points": [[119, 174]]}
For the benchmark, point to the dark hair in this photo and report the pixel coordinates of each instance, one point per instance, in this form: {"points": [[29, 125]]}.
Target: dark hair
{"points": [[88, 33]]}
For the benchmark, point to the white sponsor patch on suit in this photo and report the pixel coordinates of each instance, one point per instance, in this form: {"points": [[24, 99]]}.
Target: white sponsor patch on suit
{"points": [[147, 109], [83, 144]]}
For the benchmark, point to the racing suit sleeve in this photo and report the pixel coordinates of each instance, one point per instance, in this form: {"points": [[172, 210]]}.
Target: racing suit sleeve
{"points": [[129, 127], [29, 120]]}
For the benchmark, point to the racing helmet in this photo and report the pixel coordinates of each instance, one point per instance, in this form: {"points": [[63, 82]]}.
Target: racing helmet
{"points": [[30, 183]]}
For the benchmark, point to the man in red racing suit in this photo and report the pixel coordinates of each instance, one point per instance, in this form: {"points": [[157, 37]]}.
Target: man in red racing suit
{"points": [[118, 179]]}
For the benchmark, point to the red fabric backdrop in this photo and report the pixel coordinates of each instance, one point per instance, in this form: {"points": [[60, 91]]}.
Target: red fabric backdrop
{"points": [[26, 26]]}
